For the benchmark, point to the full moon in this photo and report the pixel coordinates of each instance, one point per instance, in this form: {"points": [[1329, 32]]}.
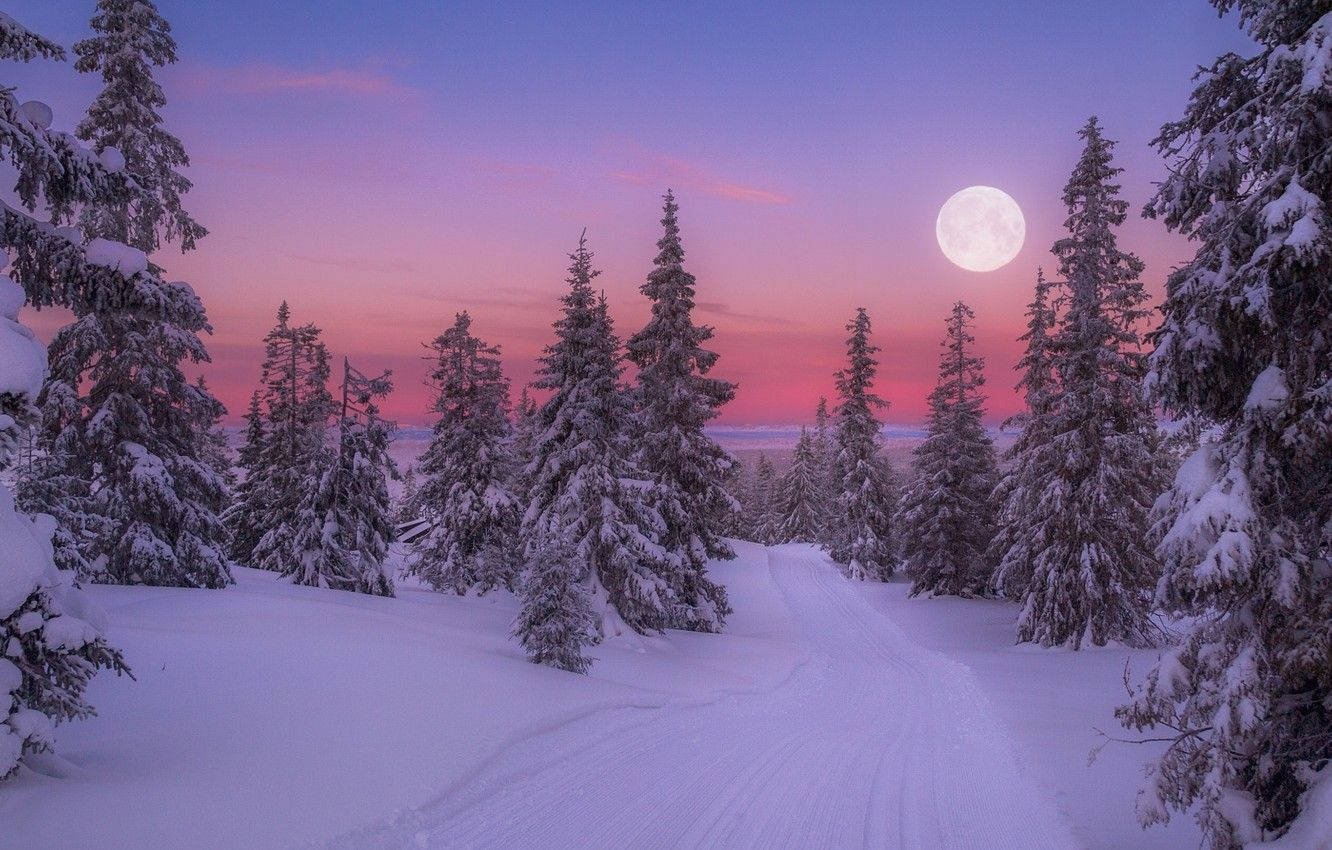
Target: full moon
{"points": [[980, 228]]}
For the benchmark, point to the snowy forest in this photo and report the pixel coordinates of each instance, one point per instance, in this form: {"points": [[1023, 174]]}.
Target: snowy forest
{"points": [[1152, 528]]}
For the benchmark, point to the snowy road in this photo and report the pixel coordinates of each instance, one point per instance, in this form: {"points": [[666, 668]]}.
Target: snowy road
{"points": [[872, 741]]}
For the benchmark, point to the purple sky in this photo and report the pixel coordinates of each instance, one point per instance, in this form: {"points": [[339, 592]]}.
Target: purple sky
{"points": [[382, 169]]}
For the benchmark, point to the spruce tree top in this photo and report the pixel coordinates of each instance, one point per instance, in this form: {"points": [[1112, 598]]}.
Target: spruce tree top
{"points": [[130, 38], [1035, 361], [1104, 303], [855, 383], [670, 346]]}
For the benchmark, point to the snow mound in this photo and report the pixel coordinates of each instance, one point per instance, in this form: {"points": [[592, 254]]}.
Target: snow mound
{"points": [[1268, 391], [11, 298], [118, 256], [1312, 830], [25, 554], [38, 114], [112, 159], [22, 360]]}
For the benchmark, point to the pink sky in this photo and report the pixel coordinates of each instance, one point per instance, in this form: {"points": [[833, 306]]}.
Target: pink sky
{"points": [[381, 180]]}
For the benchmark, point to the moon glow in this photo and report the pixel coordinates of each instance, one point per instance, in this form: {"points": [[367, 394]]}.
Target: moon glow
{"points": [[980, 229]]}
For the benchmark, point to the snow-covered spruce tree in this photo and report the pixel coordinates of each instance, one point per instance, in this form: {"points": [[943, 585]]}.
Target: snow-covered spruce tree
{"points": [[344, 524], [675, 398], [246, 516], [465, 470], [761, 508], [737, 484], [583, 488], [1018, 493], [1092, 570], [945, 519], [129, 39], [860, 529], [56, 487], [556, 622], [127, 421], [825, 452], [406, 505], [135, 440], [294, 454], [526, 429], [214, 448], [51, 641], [1246, 531], [799, 495]]}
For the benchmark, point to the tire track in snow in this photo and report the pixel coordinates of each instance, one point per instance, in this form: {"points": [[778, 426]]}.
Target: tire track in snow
{"points": [[858, 746]]}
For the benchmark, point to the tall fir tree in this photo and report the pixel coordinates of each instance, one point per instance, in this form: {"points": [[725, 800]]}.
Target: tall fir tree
{"points": [[946, 517], [407, 499], [53, 636], [584, 491], [465, 470], [800, 494], [295, 454], [130, 38], [737, 484], [675, 398], [761, 509], [344, 524], [215, 447], [248, 513], [1017, 495], [125, 423], [134, 441], [825, 452], [1246, 531], [860, 532], [1091, 569], [526, 428]]}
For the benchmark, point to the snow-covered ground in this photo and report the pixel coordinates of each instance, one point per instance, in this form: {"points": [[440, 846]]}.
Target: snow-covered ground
{"points": [[831, 714]]}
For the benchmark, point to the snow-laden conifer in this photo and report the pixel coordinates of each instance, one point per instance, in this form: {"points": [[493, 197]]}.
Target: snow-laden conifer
{"points": [[247, 515], [124, 127], [583, 490], [945, 519], [1091, 566], [406, 503], [825, 452], [129, 429], [344, 524], [465, 471], [1246, 531], [556, 622], [675, 397], [51, 635], [761, 508], [123, 420], [801, 510], [215, 447], [1017, 496], [295, 455], [860, 533]]}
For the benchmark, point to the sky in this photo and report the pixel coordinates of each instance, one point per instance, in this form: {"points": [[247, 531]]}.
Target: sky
{"points": [[382, 166]]}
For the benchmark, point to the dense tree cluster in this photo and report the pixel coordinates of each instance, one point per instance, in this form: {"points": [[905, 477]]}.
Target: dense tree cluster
{"points": [[603, 502]]}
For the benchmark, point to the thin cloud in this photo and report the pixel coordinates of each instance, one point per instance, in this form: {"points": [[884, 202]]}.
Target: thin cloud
{"points": [[265, 78], [670, 171], [718, 308]]}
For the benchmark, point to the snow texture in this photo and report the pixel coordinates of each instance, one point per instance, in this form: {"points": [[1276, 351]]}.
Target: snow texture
{"points": [[814, 721], [22, 356], [116, 255]]}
